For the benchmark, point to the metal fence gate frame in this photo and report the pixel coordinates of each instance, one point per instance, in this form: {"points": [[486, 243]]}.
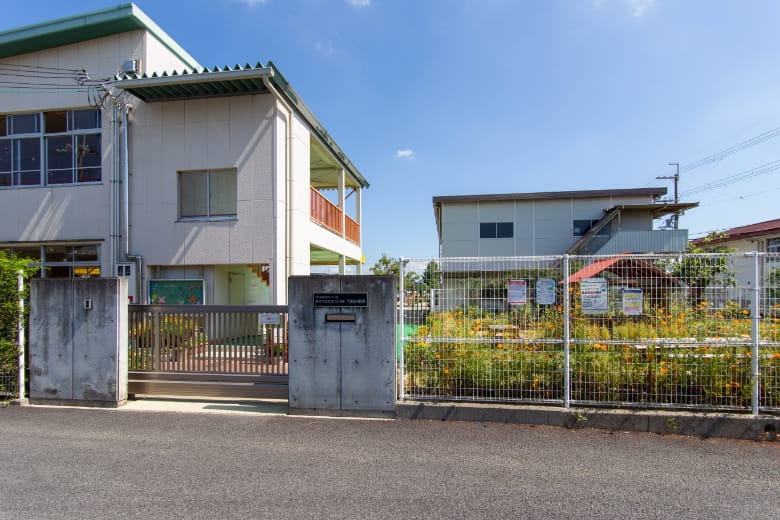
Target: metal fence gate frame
{"points": [[694, 331], [208, 350]]}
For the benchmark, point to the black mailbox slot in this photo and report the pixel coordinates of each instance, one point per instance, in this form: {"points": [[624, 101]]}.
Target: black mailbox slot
{"points": [[339, 317]]}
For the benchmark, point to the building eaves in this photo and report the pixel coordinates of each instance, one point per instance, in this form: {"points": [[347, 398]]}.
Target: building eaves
{"points": [[230, 81], [83, 27], [550, 195]]}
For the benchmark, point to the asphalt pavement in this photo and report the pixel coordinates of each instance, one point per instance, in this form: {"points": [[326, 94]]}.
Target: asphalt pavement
{"points": [[149, 462]]}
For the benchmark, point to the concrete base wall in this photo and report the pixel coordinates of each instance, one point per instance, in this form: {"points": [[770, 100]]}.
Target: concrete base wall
{"points": [[344, 367], [78, 341]]}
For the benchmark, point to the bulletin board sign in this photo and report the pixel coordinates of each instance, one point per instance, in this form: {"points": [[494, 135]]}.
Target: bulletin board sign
{"points": [[177, 292]]}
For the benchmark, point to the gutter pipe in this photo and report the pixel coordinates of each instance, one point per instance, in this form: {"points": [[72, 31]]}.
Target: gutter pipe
{"points": [[138, 259]]}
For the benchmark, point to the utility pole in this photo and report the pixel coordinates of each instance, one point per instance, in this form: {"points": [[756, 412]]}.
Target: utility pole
{"points": [[676, 178]]}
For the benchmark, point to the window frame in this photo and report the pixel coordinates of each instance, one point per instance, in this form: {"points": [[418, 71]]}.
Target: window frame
{"points": [[77, 131], [208, 194], [496, 230]]}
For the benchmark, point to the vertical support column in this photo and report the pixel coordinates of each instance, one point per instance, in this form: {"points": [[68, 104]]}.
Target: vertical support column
{"points": [[342, 264], [343, 202], [566, 335], [755, 316], [401, 335], [20, 340], [156, 341], [359, 214]]}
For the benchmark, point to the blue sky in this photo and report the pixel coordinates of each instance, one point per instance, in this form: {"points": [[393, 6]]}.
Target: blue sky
{"points": [[451, 97]]}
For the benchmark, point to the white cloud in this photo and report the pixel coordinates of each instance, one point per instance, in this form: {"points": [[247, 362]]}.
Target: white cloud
{"points": [[324, 47], [359, 3], [404, 154], [639, 7], [252, 3]]}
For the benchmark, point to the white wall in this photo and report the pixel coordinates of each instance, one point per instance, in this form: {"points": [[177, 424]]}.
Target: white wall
{"points": [[216, 133], [541, 227]]}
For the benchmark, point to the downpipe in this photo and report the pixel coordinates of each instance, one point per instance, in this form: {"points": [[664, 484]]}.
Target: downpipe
{"points": [[138, 259]]}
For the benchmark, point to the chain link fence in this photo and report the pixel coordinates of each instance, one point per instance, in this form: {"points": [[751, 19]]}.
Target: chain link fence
{"points": [[680, 331]]}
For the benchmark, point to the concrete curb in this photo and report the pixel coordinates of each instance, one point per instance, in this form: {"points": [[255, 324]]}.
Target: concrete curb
{"points": [[733, 426]]}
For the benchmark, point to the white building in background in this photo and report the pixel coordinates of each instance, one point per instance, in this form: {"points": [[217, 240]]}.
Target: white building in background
{"points": [[121, 155], [553, 223]]}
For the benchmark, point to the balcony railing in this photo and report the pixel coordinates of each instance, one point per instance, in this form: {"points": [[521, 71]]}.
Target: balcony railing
{"points": [[658, 241], [327, 214]]}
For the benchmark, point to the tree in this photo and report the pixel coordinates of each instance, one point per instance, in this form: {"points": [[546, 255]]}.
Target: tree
{"points": [[431, 277], [10, 268], [392, 266], [702, 267]]}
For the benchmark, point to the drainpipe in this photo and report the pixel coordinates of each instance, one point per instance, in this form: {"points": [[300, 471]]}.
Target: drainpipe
{"points": [[114, 210], [138, 259]]}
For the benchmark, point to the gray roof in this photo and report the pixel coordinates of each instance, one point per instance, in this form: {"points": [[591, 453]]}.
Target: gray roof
{"points": [[578, 194]]}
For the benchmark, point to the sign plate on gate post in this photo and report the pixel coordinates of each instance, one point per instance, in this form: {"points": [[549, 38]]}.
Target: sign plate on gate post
{"points": [[340, 299]]}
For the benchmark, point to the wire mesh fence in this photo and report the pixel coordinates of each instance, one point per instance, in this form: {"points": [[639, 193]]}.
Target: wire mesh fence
{"points": [[9, 336], [684, 331]]}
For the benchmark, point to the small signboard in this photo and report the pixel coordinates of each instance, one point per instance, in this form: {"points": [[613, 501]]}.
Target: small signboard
{"points": [[270, 319], [518, 292], [545, 291], [341, 299], [632, 302], [593, 292]]}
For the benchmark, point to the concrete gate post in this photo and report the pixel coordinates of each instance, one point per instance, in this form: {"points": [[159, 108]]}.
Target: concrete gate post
{"points": [[342, 345], [78, 341]]}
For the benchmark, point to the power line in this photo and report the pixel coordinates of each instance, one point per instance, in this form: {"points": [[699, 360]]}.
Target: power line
{"points": [[760, 170]]}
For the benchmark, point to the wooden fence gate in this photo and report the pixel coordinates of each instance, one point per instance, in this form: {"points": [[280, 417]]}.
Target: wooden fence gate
{"points": [[208, 350]]}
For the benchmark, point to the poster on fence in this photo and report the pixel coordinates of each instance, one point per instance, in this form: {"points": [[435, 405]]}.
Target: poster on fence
{"points": [[632, 302], [545, 291], [593, 292], [517, 293]]}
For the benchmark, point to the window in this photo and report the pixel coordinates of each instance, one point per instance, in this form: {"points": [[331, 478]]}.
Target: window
{"points": [[773, 245], [63, 261], [496, 229], [208, 195], [64, 144], [580, 227]]}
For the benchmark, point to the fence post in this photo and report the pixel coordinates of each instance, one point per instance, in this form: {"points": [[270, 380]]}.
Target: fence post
{"points": [[155, 341], [402, 333], [566, 335], [20, 340], [755, 312]]}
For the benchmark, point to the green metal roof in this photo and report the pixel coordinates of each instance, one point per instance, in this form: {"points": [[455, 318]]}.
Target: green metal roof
{"points": [[83, 27], [229, 81]]}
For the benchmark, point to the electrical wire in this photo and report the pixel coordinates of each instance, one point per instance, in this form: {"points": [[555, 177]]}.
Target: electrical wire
{"points": [[754, 172]]}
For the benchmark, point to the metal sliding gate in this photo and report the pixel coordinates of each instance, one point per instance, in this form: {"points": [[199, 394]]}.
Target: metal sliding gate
{"points": [[208, 350]]}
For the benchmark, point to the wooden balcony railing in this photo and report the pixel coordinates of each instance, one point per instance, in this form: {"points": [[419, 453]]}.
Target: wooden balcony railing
{"points": [[327, 214], [353, 230]]}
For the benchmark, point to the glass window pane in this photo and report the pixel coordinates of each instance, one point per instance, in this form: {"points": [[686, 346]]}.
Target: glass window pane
{"points": [[192, 194], [32, 253], [59, 253], [24, 124], [3, 129], [5, 179], [59, 271], [86, 271], [224, 195], [28, 154], [581, 227], [504, 230], [89, 175], [59, 152], [85, 119], [31, 178], [487, 230], [5, 155], [86, 253], [88, 150], [56, 122]]}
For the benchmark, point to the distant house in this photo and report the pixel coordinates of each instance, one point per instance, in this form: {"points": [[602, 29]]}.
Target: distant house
{"points": [[763, 237], [552, 223], [120, 155]]}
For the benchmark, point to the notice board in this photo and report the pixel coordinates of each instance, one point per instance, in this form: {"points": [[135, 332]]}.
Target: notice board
{"points": [[176, 292]]}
